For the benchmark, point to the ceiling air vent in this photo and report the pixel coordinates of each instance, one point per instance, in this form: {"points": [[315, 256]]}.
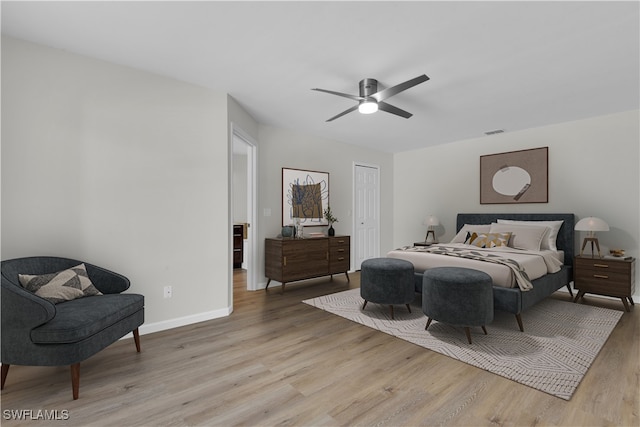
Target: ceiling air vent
{"points": [[493, 132]]}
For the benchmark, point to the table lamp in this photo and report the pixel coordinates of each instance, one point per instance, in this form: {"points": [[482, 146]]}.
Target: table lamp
{"points": [[591, 224], [431, 221]]}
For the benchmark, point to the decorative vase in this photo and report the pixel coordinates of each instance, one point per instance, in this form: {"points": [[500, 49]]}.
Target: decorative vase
{"points": [[288, 231], [331, 231]]}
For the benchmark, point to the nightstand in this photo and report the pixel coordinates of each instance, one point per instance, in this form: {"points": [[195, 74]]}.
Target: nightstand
{"points": [[610, 277]]}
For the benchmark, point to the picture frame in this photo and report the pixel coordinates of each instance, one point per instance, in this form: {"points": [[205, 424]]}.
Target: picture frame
{"points": [[515, 177], [305, 195]]}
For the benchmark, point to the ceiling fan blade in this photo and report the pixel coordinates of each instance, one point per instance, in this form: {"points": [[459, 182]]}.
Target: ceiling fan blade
{"points": [[354, 108], [345, 95], [394, 90], [393, 110]]}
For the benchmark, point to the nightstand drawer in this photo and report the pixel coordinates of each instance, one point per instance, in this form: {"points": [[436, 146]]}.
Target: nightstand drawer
{"points": [[602, 285], [605, 275], [590, 264]]}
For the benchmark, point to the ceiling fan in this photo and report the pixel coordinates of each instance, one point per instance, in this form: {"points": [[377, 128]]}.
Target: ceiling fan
{"points": [[371, 100]]}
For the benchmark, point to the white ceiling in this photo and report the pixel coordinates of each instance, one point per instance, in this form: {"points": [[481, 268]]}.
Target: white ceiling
{"points": [[493, 65]]}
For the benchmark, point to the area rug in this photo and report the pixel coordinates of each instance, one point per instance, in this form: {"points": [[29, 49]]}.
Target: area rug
{"points": [[560, 342]]}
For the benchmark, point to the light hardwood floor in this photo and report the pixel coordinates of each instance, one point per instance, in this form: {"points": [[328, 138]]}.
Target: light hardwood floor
{"points": [[276, 361]]}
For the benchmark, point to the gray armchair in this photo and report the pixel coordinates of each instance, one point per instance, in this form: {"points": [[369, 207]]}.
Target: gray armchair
{"points": [[36, 332]]}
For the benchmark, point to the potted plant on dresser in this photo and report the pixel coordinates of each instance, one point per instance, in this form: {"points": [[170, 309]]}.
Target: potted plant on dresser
{"points": [[328, 215]]}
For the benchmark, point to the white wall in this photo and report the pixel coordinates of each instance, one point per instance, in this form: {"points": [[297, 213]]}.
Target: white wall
{"points": [[129, 170], [593, 171], [120, 168], [282, 148]]}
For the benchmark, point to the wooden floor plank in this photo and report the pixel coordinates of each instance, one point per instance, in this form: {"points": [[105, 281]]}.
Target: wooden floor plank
{"points": [[276, 361]]}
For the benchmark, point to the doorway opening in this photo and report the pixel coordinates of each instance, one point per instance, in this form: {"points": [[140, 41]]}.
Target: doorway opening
{"points": [[243, 205]]}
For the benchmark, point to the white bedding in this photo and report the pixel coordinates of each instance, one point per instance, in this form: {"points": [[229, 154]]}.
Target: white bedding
{"points": [[535, 263]]}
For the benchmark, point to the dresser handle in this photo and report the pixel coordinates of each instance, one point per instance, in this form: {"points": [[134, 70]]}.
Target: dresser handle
{"points": [[284, 259], [601, 265], [340, 250], [341, 258], [340, 241], [600, 276]]}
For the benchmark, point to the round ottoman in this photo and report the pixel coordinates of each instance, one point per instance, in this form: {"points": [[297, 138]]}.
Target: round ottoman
{"points": [[458, 296], [387, 281]]}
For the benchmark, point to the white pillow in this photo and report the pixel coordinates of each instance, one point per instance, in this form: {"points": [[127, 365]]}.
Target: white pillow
{"points": [[527, 237], [549, 242], [465, 232]]}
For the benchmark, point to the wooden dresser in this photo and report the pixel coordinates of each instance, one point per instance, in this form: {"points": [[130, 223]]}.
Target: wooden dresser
{"points": [[289, 259], [610, 277], [238, 245]]}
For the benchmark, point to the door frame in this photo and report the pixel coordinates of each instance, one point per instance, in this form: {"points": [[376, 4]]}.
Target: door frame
{"points": [[354, 225], [252, 186]]}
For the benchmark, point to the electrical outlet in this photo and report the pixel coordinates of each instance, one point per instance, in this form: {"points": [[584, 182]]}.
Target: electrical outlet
{"points": [[168, 291]]}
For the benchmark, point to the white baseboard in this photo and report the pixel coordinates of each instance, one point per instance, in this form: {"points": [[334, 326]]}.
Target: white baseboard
{"points": [[181, 321]]}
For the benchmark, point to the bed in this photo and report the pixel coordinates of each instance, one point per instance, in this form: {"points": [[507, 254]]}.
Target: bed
{"points": [[509, 294]]}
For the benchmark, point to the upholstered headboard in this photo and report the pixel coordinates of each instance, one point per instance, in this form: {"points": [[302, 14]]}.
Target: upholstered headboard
{"points": [[565, 241]]}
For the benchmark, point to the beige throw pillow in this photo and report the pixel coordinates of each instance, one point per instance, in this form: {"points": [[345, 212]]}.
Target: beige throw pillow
{"points": [[489, 240], [464, 234], [62, 286]]}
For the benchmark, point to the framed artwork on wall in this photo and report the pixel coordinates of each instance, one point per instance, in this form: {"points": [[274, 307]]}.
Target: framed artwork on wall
{"points": [[515, 177], [305, 195]]}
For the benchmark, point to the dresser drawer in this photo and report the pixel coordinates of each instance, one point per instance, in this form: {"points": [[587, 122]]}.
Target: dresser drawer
{"points": [[339, 241], [336, 253], [339, 254], [340, 263]]}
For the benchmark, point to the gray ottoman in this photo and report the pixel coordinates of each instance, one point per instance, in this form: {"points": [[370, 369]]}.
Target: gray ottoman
{"points": [[387, 281], [458, 296]]}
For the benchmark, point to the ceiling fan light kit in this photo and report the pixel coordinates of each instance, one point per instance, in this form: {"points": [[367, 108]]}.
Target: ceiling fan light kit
{"points": [[371, 100], [368, 107]]}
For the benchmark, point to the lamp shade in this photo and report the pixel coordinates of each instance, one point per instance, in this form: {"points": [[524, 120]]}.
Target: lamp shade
{"points": [[431, 221], [591, 223]]}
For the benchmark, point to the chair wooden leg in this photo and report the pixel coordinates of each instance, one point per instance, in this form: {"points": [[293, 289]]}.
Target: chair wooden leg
{"points": [[519, 320], [364, 305], [5, 371], [136, 338], [409, 308], [468, 332], [391, 308], [75, 380], [484, 330]]}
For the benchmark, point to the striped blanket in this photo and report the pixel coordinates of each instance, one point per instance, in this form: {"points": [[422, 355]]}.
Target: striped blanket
{"points": [[521, 276]]}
